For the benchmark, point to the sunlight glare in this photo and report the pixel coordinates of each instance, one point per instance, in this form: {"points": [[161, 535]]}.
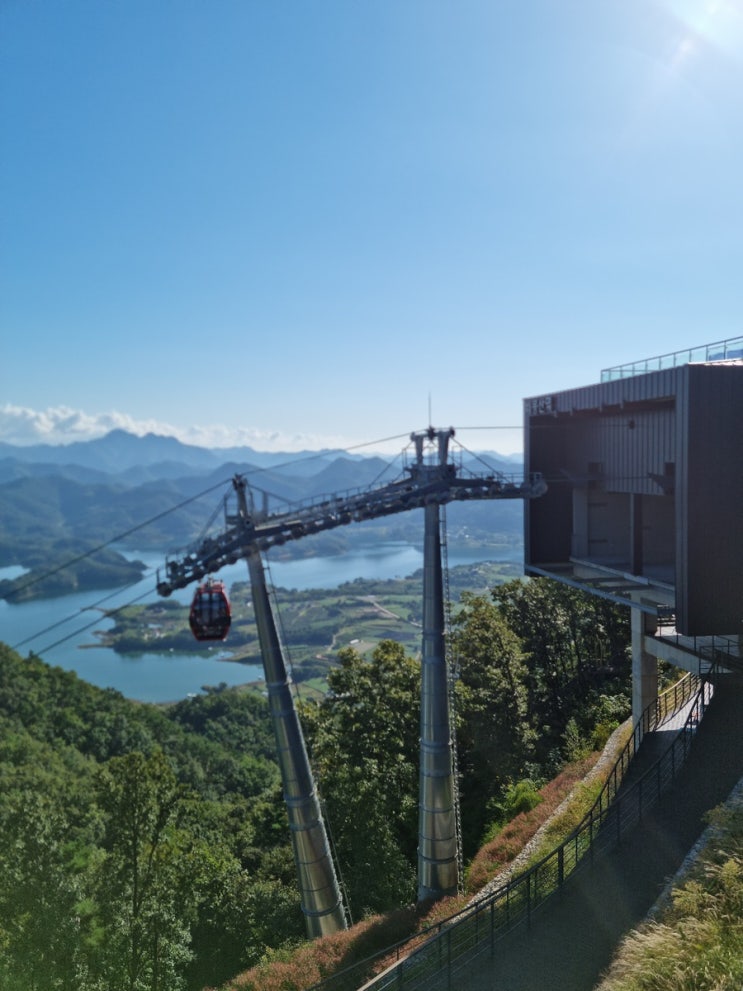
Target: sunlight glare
{"points": [[715, 22]]}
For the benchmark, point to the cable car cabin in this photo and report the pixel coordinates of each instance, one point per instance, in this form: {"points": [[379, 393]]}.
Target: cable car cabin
{"points": [[210, 614]]}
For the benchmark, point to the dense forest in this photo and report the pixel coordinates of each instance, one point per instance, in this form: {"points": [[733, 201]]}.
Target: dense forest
{"points": [[147, 847]]}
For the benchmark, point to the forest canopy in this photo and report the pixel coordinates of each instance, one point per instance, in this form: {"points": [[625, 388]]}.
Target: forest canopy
{"points": [[146, 847]]}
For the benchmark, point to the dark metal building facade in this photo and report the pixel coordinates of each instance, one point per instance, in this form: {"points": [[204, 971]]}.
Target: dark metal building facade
{"points": [[645, 498]]}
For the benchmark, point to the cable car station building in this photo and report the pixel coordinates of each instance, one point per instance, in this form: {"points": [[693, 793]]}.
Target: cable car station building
{"points": [[645, 500]]}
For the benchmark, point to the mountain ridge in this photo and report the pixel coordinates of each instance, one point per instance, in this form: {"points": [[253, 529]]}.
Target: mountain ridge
{"points": [[120, 451], [46, 508]]}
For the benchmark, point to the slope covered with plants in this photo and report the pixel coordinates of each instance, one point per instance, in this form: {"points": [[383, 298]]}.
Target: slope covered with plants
{"points": [[147, 848]]}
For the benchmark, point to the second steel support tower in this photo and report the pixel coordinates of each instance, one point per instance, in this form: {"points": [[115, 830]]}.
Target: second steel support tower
{"points": [[437, 827]]}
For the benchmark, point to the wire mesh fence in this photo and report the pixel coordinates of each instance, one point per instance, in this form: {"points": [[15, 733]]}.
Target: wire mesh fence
{"points": [[431, 960]]}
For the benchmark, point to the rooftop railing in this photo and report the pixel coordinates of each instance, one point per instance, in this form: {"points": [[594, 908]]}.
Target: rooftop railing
{"points": [[728, 350]]}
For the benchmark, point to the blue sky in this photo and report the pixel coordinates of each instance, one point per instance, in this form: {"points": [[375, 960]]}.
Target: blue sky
{"points": [[299, 223]]}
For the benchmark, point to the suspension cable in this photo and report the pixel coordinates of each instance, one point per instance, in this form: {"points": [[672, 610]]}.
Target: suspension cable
{"points": [[93, 605], [113, 540], [185, 502], [82, 629], [118, 538]]}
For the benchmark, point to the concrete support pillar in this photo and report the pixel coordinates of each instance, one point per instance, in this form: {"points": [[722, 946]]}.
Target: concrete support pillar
{"points": [[580, 523], [644, 665]]}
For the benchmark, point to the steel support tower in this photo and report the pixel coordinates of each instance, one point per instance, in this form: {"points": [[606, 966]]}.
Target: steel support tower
{"points": [[426, 484], [320, 893], [437, 825]]}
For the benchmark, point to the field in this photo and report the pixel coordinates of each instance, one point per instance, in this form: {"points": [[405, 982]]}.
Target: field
{"points": [[314, 624]]}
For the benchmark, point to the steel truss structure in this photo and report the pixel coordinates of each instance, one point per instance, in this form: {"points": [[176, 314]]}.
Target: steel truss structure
{"points": [[429, 482]]}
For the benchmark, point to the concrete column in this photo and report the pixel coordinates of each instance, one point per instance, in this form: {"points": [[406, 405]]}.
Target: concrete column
{"points": [[644, 665], [580, 523]]}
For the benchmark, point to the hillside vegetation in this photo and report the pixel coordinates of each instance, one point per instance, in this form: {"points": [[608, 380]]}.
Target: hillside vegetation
{"points": [[315, 622], [695, 943], [146, 848]]}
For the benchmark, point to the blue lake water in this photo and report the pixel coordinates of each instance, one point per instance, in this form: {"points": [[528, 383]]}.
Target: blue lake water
{"points": [[62, 630]]}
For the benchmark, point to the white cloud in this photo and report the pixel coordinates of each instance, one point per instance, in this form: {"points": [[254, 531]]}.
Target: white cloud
{"points": [[62, 425], [59, 425]]}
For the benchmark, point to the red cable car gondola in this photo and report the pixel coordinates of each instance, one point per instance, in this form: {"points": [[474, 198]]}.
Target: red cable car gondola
{"points": [[210, 615]]}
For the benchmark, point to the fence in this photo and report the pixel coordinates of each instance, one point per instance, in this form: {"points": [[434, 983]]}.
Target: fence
{"points": [[453, 943], [727, 350], [725, 652]]}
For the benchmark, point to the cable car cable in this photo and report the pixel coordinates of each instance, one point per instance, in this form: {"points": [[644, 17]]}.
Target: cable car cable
{"points": [[476, 456], [127, 533], [383, 472], [112, 612], [119, 537], [114, 540], [512, 426], [71, 616]]}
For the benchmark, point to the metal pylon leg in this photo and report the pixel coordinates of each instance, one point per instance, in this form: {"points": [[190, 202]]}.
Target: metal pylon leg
{"points": [[322, 904], [437, 842]]}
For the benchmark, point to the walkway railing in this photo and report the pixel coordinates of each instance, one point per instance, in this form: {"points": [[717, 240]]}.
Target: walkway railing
{"points": [[723, 651], [653, 718], [453, 943], [727, 350]]}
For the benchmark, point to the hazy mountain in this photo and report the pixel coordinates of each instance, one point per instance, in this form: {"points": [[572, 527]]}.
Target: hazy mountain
{"points": [[11, 470], [108, 489], [120, 451]]}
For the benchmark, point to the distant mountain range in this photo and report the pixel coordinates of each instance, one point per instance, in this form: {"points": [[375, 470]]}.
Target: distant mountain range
{"points": [[90, 492], [120, 452]]}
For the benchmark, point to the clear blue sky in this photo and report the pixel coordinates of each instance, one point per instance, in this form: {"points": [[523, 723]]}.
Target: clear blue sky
{"points": [[291, 223]]}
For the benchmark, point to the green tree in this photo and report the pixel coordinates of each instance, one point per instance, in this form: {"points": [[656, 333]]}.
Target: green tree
{"points": [[241, 871], [39, 934], [495, 740], [144, 893], [46, 842], [576, 646], [364, 737]]}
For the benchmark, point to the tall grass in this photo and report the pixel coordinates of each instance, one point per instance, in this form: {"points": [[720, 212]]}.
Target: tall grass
{"points": [[696, 943], [500, 851]]}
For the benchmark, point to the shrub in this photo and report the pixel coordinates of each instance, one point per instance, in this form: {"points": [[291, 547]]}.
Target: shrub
{"points": [[522, 796]]}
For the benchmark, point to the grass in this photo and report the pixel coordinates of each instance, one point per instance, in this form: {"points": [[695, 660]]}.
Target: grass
{"points": [[309, 963], [696, 942], [499, 852], [313, 961]]}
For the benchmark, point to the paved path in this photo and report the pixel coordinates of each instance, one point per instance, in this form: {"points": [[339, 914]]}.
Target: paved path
{"points": [[573, 937]]}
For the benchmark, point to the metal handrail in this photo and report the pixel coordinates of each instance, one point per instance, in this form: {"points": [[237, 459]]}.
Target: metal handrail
{"points": [[454, 941], [726, 350], [724, 651]]}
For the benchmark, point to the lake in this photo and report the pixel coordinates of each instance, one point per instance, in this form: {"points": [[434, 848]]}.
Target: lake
{"points": [[62, 630]]}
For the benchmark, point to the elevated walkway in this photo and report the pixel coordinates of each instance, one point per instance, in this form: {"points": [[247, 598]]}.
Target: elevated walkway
{"points": [[573, 937], [557, 925], [693, 653]]}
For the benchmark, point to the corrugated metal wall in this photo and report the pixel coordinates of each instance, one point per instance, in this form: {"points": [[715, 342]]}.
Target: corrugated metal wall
{"points": [[674, 437], [710, 533]]}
